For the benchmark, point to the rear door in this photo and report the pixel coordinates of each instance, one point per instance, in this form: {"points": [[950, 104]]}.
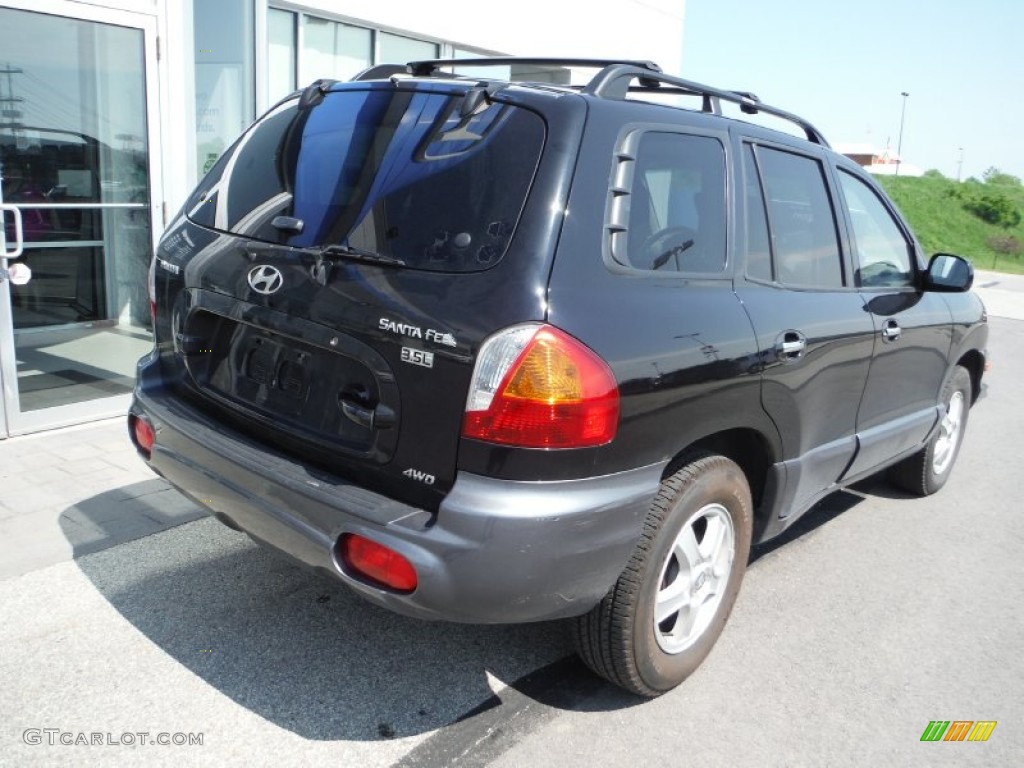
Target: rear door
{"points": [[913, 329], [357, 359], [813, 333]]}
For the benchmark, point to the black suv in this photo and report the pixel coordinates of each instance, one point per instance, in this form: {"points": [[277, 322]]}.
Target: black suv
{"points": [[497, 351]]}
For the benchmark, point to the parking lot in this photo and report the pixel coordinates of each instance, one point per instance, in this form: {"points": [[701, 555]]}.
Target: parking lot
{"points": [[878, 614]]}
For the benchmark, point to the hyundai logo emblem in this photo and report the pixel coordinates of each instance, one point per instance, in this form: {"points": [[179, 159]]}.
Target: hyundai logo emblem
{"points": [[265, 280]]}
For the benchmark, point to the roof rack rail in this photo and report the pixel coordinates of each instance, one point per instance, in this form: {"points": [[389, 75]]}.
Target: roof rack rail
{"points": [[428, 67], [613, 82]]}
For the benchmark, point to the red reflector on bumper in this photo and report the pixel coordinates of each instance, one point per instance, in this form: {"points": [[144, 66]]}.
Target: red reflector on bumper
{"points": [[377, 564], [142, 431]]}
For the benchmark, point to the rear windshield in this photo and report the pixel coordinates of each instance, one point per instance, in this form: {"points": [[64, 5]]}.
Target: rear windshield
{"points": [[401, 173]]}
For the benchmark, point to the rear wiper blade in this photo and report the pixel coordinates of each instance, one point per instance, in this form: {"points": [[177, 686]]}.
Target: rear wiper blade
{"points": [[327, 251], [351, 252]]}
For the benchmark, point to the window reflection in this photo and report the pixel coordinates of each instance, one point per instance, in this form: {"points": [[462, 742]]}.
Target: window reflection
{"points": [[802, 221], [225, 76], [334, 50], [73, 140], [395, 49], [281, 53]]}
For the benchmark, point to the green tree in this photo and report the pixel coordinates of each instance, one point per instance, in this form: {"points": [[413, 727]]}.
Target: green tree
{"points": [[997, 178], [994, 208]]}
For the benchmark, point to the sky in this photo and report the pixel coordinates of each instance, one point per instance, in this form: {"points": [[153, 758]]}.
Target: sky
{"points": [[843, 66]]}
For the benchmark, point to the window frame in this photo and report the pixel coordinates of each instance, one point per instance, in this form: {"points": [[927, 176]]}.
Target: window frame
{"points": [[621, 177], [834, 199]]}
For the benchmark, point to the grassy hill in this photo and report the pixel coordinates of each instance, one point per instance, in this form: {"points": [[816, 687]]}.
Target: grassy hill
{"points": [[934, 206]]}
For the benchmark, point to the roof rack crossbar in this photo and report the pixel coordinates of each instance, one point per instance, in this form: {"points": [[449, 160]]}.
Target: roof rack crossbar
{"points": [[428, 67], [613, 82]]}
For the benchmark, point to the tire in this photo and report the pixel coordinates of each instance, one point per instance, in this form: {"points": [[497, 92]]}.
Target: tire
{"points": [[687, 566], [927, 471]]}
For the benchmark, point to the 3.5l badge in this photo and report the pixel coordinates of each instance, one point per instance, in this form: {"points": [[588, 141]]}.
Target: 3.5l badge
{"points": [[418, 357]]}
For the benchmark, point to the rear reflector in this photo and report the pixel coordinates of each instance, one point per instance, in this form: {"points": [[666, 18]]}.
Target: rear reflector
{"points": [[151, 290], [377, 564], [142, 434], [535, 386]]}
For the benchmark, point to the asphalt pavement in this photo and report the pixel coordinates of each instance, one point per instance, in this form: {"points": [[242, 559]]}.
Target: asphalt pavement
{"points": [[125, 619], [1002, 293]]}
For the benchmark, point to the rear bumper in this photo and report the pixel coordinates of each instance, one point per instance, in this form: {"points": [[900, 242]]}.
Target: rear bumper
{"points": [[497, 551]]}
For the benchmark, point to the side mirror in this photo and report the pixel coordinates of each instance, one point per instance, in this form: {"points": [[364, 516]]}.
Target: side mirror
{"points": [[949, 273]]}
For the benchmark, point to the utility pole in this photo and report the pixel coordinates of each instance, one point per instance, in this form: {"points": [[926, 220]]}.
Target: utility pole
{"points": [[10, 114], [960, 165], [899, 146]]}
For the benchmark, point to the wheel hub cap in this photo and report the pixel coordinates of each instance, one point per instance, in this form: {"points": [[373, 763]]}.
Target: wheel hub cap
{"points": [[949, 434], [693, 579]]}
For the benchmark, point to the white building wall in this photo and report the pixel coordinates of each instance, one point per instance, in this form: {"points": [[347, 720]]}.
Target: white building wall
{"points": [[633, 29]]}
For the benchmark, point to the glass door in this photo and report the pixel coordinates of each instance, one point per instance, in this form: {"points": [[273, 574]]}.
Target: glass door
{"points": [[76, 96]]}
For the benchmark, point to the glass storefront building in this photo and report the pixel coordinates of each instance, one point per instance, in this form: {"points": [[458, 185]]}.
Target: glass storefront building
{"points": [[75, 159], [111, 110]]}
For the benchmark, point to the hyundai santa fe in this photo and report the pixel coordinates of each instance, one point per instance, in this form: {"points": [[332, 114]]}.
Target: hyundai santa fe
{"points": [[497, 351]]}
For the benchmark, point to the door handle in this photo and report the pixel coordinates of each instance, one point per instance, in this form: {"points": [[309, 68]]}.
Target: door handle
{"points": [[19, 235], [790, 346], [891, 330], [377, 417]]}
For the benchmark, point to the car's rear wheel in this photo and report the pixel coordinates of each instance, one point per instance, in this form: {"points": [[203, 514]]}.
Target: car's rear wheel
{"points": [[927, 471], [663, 615]]}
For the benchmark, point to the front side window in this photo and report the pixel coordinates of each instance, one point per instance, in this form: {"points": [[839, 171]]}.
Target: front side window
{"points": [[805, 243], [401, 173], [883, 253], [677, 212]]}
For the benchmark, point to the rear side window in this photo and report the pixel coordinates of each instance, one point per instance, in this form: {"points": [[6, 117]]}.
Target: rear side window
{"points": [[882, 251], [401, 173], [677, 212], [755, 222], [801, 221]]}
